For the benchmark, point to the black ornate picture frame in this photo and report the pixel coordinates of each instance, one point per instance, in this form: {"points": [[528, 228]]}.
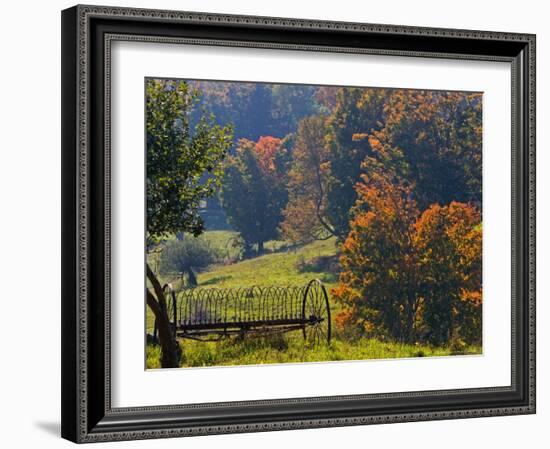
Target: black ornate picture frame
{"points": [[87, 34]]}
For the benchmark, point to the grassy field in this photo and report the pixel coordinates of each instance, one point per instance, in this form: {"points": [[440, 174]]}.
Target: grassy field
{"points": [[290, 348], [280, 266], [285, 267]]}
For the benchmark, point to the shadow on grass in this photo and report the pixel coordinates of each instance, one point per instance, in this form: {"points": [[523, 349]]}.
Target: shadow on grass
{"points": [[329, 278], [214, 280]]}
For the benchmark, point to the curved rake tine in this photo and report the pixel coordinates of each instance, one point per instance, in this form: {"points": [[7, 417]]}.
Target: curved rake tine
{"points": [[217, 312], [267, 309]]}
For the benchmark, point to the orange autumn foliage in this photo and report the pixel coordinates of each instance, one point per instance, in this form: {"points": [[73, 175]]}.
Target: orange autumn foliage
{"points": [[449, 241], [267, 148], [406, 275]]}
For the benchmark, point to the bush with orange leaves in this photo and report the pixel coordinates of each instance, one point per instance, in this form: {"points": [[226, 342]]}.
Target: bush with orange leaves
{"points": [[448, 240], [409, 276]]}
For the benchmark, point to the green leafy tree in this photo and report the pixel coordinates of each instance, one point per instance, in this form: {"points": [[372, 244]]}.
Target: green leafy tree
{"points": [[356, 111], [254, 190], [183, 168], [290, 104]]}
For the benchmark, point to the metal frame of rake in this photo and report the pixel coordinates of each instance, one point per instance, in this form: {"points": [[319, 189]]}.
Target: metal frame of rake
{"points": [[210, 314]]}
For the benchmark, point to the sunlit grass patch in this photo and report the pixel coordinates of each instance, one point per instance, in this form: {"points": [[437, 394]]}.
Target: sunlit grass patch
{"points": [[291, 348]]}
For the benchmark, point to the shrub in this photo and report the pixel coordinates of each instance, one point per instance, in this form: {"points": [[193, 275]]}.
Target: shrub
{"points": [[185, 256]]}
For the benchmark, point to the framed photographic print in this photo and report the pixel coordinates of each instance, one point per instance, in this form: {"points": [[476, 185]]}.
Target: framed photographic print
{"points": [[277, 224]]}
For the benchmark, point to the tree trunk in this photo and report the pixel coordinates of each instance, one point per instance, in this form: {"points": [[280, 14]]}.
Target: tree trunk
{"points": [[410, 337], [192, 277], [260, 248], [157, 303], [247, 250]]}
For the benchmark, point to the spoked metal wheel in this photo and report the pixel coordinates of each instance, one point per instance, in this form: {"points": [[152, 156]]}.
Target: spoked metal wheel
{"points": [[316, 314]]}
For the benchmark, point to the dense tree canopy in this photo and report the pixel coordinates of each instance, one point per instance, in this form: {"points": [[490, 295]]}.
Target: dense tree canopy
{"points": [[356, 111], [437, 136], [254, 191], [258, 109], [178, 158], [405, 274], [411, 263]]}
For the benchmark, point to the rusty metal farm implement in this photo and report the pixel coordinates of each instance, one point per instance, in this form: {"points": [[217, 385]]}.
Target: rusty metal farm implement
{"points": [[210, 314]]}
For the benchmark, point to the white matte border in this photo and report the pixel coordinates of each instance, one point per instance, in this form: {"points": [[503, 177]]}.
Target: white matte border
{"points": [[132, 385]]}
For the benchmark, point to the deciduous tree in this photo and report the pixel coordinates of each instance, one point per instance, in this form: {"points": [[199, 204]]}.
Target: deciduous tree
{"points": [[379, 275], [254, 190], [178, 157], [448, 243], [305, 215]]}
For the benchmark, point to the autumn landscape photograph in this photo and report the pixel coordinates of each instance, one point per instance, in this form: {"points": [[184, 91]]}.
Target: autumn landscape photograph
{"points": [[290, 223]]}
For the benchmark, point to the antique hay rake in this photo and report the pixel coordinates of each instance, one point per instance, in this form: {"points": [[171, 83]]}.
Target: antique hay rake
{"points": [[210, 314]]}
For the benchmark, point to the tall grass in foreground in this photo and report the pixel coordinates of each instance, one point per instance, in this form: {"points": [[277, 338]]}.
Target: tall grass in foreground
{"points": [[291, 349]]}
